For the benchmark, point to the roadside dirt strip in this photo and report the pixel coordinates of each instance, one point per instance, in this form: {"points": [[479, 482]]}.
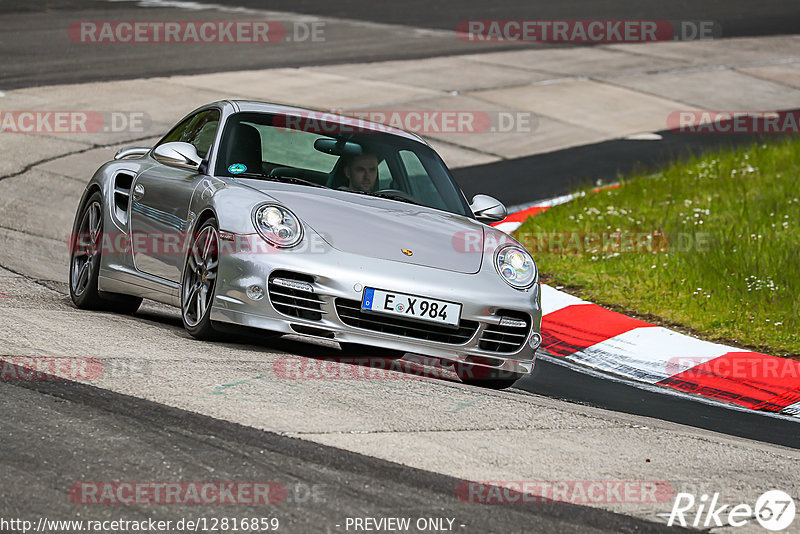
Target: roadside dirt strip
{"points": [[435, 425]]}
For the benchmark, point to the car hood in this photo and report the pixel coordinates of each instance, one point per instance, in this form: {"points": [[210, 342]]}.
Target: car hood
{"points": [[387, 229]]}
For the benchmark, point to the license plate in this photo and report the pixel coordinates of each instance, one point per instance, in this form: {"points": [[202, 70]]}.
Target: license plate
{"points": [[411, 306]]}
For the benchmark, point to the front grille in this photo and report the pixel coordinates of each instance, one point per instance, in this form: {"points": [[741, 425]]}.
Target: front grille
{"points": [[294, 302], [501, 338], [351, 314]]}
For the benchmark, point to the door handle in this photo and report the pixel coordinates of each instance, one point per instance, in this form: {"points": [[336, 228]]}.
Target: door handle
{"points": [[138, 192]]}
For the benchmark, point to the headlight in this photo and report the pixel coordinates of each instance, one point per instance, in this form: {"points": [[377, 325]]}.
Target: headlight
{"points": [[279, 226], [516, 266]]}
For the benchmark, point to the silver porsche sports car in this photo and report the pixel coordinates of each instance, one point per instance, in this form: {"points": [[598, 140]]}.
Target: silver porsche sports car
{"points": [[292, 221]]}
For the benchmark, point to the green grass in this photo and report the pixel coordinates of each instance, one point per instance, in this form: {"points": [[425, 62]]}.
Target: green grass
{"points": [[726, 258]]}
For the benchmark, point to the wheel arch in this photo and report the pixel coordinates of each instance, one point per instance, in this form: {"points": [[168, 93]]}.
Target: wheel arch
{"points": [[203, 216], [91, 189]]}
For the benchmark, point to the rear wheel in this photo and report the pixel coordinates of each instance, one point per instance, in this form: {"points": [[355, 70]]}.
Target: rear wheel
{"points": [[200, 281], [486, 377], [84, 265]]}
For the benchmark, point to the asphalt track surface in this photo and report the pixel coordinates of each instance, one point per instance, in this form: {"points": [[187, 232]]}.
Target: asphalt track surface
{"points": [[35, 48], [81, 431], [84, 433], [738, 18]]}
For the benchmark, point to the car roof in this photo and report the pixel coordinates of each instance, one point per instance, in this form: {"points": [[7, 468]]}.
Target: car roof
{"points": [[268, 107]]}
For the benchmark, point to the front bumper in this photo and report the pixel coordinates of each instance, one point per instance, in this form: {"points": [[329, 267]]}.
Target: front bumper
{"points": [[337, 275]]}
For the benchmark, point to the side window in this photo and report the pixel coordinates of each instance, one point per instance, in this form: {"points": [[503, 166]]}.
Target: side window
{"points": [[199, 130], [413, 165], [180, 131], [205, 131], [421, 186], [384, 176]]}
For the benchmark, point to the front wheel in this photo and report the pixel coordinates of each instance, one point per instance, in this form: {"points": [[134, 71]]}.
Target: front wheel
{"points": [[486, 377], [84, 263], [199, 281]]}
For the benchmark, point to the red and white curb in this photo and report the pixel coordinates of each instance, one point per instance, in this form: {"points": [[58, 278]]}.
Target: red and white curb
{"points": [[596, 338], [514, 220]]}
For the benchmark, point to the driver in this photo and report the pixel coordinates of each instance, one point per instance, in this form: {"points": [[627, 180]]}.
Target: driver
{"points": [[361, 172]]}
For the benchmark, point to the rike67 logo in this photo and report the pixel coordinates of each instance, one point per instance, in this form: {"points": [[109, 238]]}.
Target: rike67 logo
{"points": [[774, 510]]}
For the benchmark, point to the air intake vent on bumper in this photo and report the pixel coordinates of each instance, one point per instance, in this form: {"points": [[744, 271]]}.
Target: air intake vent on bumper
{"points": [[509, 335], [293, 294]]}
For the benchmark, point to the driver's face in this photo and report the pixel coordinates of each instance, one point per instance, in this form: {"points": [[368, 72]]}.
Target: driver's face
{"points": [[362, 172]]}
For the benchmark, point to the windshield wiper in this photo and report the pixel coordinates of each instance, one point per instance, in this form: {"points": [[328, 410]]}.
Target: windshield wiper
{"points": [[394, 196], [293, 180], [255, 175], [284, 179]]}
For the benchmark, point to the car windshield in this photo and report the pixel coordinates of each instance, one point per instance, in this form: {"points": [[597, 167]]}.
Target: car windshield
{"points": [[300, 150]]}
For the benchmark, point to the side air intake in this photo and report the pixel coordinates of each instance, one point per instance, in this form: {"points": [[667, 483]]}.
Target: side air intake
{"points": [[293, 294], [122, 195]]}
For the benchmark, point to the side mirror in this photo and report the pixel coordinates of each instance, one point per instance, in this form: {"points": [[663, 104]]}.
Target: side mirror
{"points": [[488, 209], [178, 154]]}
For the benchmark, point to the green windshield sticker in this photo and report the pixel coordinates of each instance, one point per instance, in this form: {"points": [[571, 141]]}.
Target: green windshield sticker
{"points": [[237, 168]]}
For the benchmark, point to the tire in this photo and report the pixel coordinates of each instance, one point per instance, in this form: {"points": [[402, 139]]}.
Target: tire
{"points": [[199, 282], [486, 377], [84, 263]]}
